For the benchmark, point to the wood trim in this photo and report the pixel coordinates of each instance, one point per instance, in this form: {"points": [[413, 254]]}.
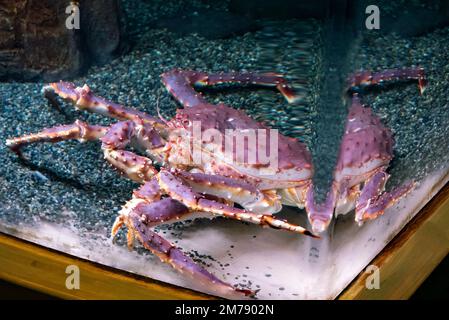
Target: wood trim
{"points": [[411, 256], [43, 269]]}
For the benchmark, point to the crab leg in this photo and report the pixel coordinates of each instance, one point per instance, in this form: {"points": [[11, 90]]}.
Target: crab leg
{"points": [[179, 190], [320, 215], [170, 254], [140, 216], [233, 190], [372, 202], [145, 211], [84, 99], [149, 191], [180, 83], [114, 139], [135, 167], [368, 78], [78, 130]]}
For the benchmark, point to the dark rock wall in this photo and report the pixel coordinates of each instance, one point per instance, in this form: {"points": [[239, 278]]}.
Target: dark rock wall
{"points": [[36, 45]]}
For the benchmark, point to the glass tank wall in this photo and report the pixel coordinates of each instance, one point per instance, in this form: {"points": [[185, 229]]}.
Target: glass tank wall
{"points": [[66, 196]]}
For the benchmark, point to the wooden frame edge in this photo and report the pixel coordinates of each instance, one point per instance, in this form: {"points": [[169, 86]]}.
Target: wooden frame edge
{"points": [[35, 265], [410, 257]]}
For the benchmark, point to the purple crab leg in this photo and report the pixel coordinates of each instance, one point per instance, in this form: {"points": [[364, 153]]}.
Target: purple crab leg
{"points": [[320, 215], [179, 190], [367, 78], [372, 202], [181, 88], [147, 210], [78, 130], [170, 254], [84, 99], [238, 191], [149, 191], [181, 83], [140, 216], [136, 167]]}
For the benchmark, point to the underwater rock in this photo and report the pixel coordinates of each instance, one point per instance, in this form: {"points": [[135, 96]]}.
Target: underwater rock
{"points": [[35, 43], [102, 30]]}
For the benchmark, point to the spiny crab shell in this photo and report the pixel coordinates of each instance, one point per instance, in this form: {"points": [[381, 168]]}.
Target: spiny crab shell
{"points": [[293, 161], [367, 145]]}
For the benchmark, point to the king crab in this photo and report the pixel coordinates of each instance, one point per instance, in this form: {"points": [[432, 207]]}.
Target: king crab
{"points": [[186, 189]]}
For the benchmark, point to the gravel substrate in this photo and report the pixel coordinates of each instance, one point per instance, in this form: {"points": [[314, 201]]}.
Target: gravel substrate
{"points": [[420, 123], [70, 183]]}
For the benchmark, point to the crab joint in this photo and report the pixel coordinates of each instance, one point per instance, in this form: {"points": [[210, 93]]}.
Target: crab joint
{"points": [[136, 167]]}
